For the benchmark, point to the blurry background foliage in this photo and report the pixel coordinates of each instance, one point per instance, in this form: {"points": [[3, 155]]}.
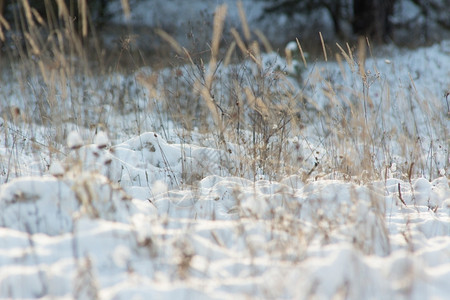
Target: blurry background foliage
{"points": [[383, 21]]}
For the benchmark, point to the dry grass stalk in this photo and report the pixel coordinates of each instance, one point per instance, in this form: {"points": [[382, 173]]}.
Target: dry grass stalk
{"points": [[257, 104], [348, 57], [169, 39], [229, 53], [239, 41], [362, 58], [243, 18], [219, 19], [301, 52], [323, 47], [83, 13], [126, 8], [267, 47], [249, 97]]}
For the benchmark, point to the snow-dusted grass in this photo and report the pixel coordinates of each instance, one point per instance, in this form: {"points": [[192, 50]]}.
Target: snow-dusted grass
{"points": [[246, 175]]}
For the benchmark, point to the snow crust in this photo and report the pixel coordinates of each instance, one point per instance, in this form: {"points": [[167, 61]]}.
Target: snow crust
{"points": [[283, 240], [80, 234]]}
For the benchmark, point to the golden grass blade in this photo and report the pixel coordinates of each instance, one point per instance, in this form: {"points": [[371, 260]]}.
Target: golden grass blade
{"points": [[239, 41], [350, 52], [255, 53], [341, 66], [43, 70], [188, 55], [219, 20], [62, 9], [126, 8], [348, 59], [83, 12], [230, 51], [256, 103], [370, 47], [28, 14], [371, 54], [301, 52], [244, 22], [38, 17], [288, 54], [264, 40], [169, 39], [34, 47], [323, 46], [362, 57], [205, 89], [204, 92], [5, 24]]}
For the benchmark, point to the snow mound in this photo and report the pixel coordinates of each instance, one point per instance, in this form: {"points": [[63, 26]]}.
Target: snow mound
{"points": [[227, 237], [50, 205]]}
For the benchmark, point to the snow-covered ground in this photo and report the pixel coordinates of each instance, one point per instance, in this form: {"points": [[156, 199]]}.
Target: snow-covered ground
{"points": [[115, 221], [83, 238], [132, 208]]}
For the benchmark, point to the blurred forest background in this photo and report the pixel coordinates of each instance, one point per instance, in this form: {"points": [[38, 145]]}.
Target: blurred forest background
{"points": [[408, 23]]}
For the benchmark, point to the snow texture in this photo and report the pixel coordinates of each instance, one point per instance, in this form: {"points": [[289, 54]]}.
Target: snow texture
{"points": [[118, 217]]}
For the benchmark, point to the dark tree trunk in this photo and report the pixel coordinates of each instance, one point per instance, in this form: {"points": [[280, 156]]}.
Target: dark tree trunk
{"points": [[371, 19], [335, 9]]}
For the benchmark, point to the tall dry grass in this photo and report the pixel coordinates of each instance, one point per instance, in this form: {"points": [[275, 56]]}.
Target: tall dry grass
{"points": [[240, 95], [269, 126], [240, 99], [56, 77]]}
